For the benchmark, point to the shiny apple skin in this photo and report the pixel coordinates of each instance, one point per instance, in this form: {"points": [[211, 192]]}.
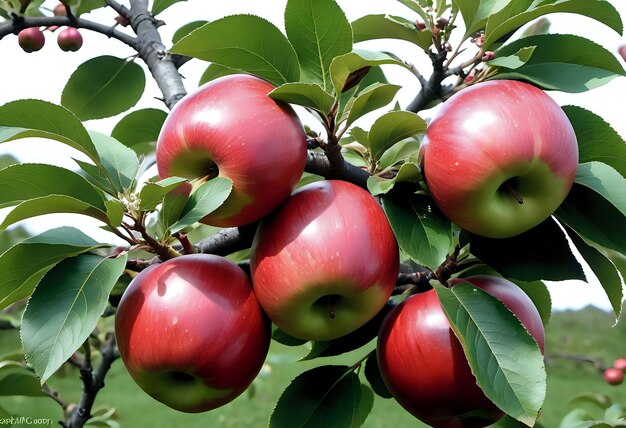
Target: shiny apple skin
{"points": [[496, 132], [70, 39], [613, 376], [255, 141], [31, 39], [191, 332], [328, 249], [424, 366]]}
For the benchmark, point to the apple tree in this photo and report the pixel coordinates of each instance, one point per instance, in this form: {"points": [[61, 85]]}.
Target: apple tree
{"points": [[431, 233]]}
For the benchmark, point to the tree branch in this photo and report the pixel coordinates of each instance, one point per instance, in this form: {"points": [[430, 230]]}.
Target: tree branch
{"points": [[431, 89], [154, 53], [92, 383], [333, 166], [20, 23]]}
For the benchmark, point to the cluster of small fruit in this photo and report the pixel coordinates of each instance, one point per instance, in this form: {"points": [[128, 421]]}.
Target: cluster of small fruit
{"points": [[615, 375], [193, 331], [33, 39]]}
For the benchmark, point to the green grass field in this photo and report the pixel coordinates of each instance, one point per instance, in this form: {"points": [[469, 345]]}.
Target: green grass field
{"points": [[588, 332]]}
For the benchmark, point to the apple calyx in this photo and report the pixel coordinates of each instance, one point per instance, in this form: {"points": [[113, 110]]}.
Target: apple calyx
{"points": [[508, 186]]}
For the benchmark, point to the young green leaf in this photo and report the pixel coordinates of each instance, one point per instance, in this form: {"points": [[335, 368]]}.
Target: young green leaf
{"points": [[22, 182], [371, 98], [304, 94], [393, 127], [140, 129], [489, 333], [102, 87], [379, 185], [36, 118], [323, 396], [540, 253], [422, 232], [476, 12], [152, 193], [559, 61], [407, 149], [606, 181], [85, 6], [594, 218], [604, 269], [65, 308], [518, 13], [24, 264], [343, 66], [371, 27], [203, 201], [319, 31], [120, 162], [16, 379], [174, 203], [597, 140], [246, 43], [160, 5]]}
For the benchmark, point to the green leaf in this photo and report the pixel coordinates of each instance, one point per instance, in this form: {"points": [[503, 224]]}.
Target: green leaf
{"points": [[16, 379], [371, 27], [102, 87], [606, 181], [22, 182], [304, 94], [160, 5], [36, 118], [514, 60], [605, 271], [422, 232], [416, 6], [597, 140], [323, 396], [186, 29], [319, 31], [152, 193], [378, 185], [120, 162], [540, 253], [51, 204], [407, 149], [476, 12], [174, 203], [65, 308], [490, 334], [393, 127], [594, 218], [518, 13], [140, 129], [375, 379], [364, 407], [343, 66], [24, 264], [281, 337], [373, 97], [246, 43], [203, 201], [214, 71], [85, 6], [560, 62]]}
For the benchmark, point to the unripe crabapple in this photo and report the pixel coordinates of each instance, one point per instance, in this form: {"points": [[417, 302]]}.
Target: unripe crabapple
{"points": [[31, 39], [70, 39]]}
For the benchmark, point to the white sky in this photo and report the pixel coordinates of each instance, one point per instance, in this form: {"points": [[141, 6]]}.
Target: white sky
{"points": [[43, 75]]}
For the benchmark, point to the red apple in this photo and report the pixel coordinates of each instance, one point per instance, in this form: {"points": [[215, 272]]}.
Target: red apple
{"points": [[191, 333], [326, 262], [622, 52], [70, 39], [613, 376], [60, 10], [231, 128], [424, 366], [31, 39], [620, 364], [499, 157]]}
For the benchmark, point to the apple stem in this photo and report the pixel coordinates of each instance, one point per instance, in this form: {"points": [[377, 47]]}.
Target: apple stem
{"points": [[331, 310], [509, 188]]}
